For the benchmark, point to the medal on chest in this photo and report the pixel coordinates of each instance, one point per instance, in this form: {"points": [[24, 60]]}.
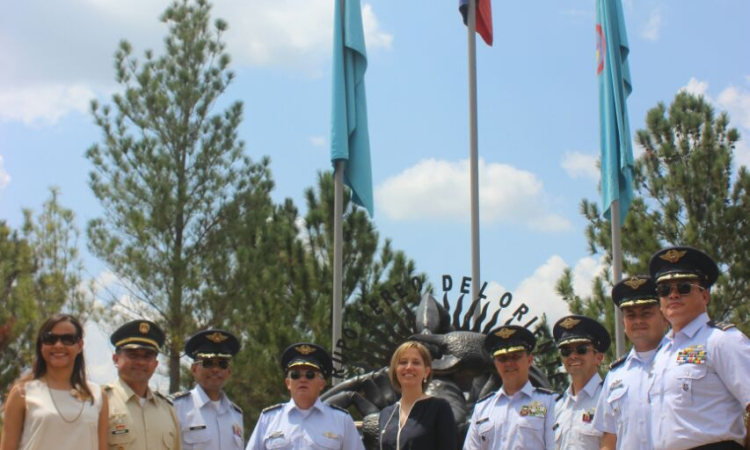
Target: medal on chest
{"points": [[533, 409], [695, 354]]}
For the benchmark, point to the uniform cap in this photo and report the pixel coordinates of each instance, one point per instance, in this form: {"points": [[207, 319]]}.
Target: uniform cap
{"points": [[307, 354], [138, 334], [508, 339], [212, 343], [634, 291], [683, 263], [572, 329]]}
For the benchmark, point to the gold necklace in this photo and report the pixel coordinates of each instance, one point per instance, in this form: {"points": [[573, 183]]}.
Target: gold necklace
{"points": [[54, 403]]}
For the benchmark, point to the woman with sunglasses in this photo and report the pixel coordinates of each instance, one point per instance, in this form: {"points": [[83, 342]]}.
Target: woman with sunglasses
{"points": [[417, 421], [54, 407]]}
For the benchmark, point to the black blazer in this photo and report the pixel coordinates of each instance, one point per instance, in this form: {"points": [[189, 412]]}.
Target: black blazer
{"points": [[430, 426]]}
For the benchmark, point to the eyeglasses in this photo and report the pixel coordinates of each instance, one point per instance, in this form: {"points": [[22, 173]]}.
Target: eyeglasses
{"points": [[580, 349], [211, 363], [510, 357], [683, 288], [66, 339], [296, 375]]}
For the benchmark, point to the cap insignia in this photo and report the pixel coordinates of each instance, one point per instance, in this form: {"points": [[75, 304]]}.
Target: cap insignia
{"points": [[216, 337], [673, 255], [505, 333], [634, 283], [304, 349], [144, 327], [569, 323]]}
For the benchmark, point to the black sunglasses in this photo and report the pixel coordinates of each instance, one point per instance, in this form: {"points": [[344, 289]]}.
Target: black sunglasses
{"points": [[211, 363], [683, 288], [511, 357], [580, 349], [67, 339], [296, 375]]}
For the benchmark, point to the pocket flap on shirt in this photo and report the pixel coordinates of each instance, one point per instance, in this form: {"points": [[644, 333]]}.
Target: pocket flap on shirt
{"points": [[692, 371]]}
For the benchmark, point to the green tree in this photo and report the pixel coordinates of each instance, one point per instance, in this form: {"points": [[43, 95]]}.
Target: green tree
{"points": [[41, 276], [166, 170], [688, 193]]}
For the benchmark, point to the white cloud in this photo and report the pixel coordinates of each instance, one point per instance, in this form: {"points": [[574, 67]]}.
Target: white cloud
{"points": [[56, 56], [45, 103], [652, 28], [439, 189], [696, 87], [737, 102], [538, 290], [742, 153], [318, 141], [4, 177], [580, 165]]}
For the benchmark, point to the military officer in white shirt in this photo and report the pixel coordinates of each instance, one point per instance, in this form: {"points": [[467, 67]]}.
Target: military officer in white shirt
{"points": [[582, 342], [701, 387], [208, 419], [305, 422], [623, 413], [518, 416]]}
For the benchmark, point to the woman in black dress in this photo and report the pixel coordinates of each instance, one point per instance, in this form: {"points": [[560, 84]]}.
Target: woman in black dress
{"points": [[417, 421]]}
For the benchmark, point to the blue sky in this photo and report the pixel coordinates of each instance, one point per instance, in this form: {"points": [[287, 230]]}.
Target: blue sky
{"points": [[538, 125]]}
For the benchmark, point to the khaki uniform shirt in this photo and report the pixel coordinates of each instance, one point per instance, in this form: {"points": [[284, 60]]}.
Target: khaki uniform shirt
{"points": [[153, 426]]}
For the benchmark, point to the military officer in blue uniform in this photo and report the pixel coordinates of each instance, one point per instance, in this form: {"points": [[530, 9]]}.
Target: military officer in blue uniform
{"points": [[700, 390], [208, 419], [518, 416], [623, 412], [582, 342], [305, 422]]}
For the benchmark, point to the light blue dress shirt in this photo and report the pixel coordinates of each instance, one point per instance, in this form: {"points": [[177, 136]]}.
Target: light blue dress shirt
{"points": [[701, 387], [522, 421], [575, 416], [623, 408], [322, 427], [205, 427]]}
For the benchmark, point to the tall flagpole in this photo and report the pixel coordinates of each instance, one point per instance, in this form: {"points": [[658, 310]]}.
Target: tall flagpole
{"points": [[473, 153], [617, 274], [338, 248]]}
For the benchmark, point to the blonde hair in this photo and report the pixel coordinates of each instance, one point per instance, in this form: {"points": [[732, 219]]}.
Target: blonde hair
{"points": [[423, 352]]}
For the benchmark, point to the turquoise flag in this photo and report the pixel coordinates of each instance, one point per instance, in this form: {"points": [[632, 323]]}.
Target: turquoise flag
{"points": [[614, 87], [350, 139]]}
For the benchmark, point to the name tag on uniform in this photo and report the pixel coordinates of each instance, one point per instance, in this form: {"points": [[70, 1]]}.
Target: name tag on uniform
{"points": [[695, 354], [119, 432], [198, 427], [482, 420]]}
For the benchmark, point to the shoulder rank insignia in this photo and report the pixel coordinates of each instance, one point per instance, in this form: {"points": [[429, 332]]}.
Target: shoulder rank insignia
{"points": [[163, 397], [339, 408], [485, 397], [559, 396], [723, 326], [618, 361], [271, 408], [179, 395], [545, 391], [236, 408]]}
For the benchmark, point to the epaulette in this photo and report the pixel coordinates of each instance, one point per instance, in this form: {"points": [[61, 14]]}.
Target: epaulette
{"points": [[485, 397], [545, 391], [164, 397], [236, 408], [271, 408], [338, 407], [618, 361], [559, 396], [179, 395], [723, 326]]}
